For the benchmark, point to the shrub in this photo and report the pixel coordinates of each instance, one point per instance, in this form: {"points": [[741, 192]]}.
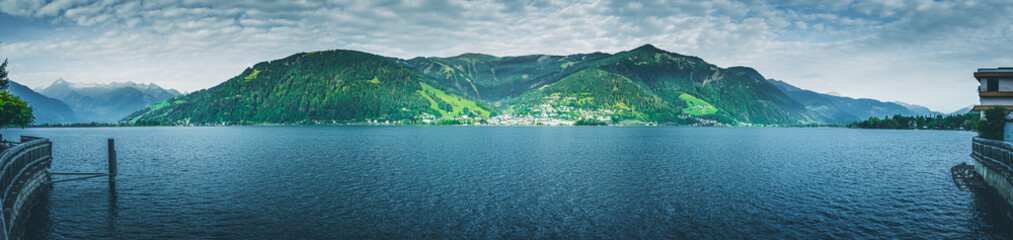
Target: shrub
{"points": [[994, 123], [589, 122]]}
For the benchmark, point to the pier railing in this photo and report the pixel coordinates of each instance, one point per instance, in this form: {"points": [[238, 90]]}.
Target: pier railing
{"points": [[17, 162], [998, 154]]}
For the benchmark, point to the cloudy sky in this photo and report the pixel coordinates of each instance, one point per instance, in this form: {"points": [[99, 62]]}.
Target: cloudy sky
{"points": [[916, 51]]}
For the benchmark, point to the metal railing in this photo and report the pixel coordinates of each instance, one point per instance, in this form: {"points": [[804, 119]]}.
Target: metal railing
{"points": [[997, 153], [14, 162]]}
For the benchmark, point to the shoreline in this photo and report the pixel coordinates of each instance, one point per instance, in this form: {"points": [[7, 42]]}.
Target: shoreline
{"points": [[100, 125], [462, 125], [92, 125]]}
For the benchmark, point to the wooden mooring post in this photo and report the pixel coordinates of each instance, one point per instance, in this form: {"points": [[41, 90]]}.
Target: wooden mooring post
{"points": [[112, 159]]}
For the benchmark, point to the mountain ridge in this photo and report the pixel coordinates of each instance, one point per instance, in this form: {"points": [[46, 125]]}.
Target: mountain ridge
{"points": [[842, 109], [660, 71], [645, 84], [322, 86], [47, 110], [106, 102]]}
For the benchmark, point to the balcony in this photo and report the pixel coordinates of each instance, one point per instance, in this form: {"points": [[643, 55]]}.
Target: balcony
{"points": [[995, 94], [986, 107]]}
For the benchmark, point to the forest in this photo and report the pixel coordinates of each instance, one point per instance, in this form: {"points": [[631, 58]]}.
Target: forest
{"points": [[967, 121]]}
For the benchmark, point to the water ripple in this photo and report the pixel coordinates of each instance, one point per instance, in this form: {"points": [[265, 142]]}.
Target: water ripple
{"points": [[513, 182]]}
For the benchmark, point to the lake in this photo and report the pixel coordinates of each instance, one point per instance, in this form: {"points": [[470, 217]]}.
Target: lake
{"points": [[513, 182]]}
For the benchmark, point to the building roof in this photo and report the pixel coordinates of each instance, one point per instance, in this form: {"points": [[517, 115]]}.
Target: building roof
{"points": [[994, 72], [998, 69]]}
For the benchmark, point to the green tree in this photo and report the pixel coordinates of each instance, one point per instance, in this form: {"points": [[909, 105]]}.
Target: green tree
{"points": [[994, 123], [950, 122], [4, 81], [14, 112]]}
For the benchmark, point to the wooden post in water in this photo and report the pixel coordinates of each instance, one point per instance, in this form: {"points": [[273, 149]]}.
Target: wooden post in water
{"points": [[112, 160]]}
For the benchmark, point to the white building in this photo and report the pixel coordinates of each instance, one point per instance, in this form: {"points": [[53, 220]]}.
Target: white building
{"points": [[995, 87]]}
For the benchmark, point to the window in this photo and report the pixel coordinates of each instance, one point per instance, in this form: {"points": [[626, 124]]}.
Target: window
{"points": [[993, 84]]}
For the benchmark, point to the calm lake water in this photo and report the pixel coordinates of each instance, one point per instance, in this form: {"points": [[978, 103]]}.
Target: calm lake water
{"points": [[513, 182]]}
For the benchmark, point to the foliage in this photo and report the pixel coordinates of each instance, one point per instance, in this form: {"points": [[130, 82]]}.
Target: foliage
{"points": [[449, 122], [322, 87], [939, 122], [494, 78], [644, 84], [739, 93], [98, 124], [4, 81], [589, 122], [451, 106], [697, 106], [663, 87], [146, 123], [160, 105], [994, 124], [14, 112], [597, 93], [734, 95]]}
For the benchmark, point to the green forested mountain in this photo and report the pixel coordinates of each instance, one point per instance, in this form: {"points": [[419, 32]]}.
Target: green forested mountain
{"points": [[645, 84], [737, 93], [663, 87], [327, 86], [597, 94], [493, 78]]}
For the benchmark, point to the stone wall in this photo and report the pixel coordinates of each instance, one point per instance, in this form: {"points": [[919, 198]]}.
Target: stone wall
{"points": [[992, 160], [995, 178]]}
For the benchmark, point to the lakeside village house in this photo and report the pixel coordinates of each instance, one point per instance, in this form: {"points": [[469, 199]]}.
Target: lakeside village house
{"points": [[996, 89]]}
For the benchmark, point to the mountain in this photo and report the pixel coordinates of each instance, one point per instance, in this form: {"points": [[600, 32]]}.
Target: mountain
{"points": [[738, 93], [841, 109], [109, 102], [493, 78], [45, 109], [962, 110], [598, 94], [326, 86], [646, 84], [919, 109]]}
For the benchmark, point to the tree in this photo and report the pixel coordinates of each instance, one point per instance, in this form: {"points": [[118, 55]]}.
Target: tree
{"points": [[4, 81], [951, 122], [14, 112], [992, 126]]}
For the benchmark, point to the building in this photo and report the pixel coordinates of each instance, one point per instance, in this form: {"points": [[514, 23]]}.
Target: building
{"points": [[995, 87], [993, 159]]}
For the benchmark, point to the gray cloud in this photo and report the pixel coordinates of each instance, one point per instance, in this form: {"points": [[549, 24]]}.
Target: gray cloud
{"points": [[859, 48]]}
